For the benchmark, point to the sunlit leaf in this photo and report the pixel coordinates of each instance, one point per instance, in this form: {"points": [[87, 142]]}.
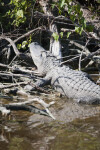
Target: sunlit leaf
{"points": [[55, 36], [20, 13], [62, 3], [24, 43], [68, 34], [79, 30], [19, 46], [61, 34]]}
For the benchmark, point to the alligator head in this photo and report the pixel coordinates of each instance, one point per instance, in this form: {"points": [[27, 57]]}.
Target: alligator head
{"points": [[39, 55]]}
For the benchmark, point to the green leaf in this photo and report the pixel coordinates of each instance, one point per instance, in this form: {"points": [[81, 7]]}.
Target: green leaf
{"points": [[2, 4], [69, 9], [8, 12], [53, 5], [61, 34], [68, 34], [89, 28], [78, 8], [80, 14], [55, 36], [19, 46], [23, 3], [30, 39], [83, 22], [20, 13], [62, 3], [24, 43], [60, 11], [79, 30], [72, 17]]}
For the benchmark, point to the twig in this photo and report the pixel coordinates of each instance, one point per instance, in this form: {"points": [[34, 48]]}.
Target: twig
{"points": [[12, 43], [12, 85], [5, 66], [15, 75], [69, 60], [67, 30], [19, 69], [91, 55], [80, 46], [28, 33]]}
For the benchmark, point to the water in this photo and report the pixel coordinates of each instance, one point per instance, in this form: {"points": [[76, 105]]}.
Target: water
{"points": [[27, 131], [19, 134], [78, 128]]}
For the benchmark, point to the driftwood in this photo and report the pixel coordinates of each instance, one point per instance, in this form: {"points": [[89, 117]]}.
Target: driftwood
{"points": [[5, 108]]}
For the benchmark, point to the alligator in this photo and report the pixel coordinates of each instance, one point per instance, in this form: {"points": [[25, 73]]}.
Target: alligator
{"points": [[74, 84]]}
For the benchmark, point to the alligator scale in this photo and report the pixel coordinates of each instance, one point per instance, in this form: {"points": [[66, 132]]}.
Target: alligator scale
{"points": [[71, 83]]}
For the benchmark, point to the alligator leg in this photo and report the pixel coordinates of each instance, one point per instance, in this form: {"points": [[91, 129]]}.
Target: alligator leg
{"points": [[39, 83]]}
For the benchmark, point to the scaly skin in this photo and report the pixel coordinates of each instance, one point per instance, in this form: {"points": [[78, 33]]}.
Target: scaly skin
{"points": [[73, 84]]}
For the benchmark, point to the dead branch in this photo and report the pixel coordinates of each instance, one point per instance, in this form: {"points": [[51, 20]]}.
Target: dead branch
{"points": [[91, 55], [70, 60], [5, 109], [80, 46], [21, 37], [18, 54], [5, 66], [12, 44], [12, 85], [28, 33], [60, 19], [15, 75], [20, 70]]}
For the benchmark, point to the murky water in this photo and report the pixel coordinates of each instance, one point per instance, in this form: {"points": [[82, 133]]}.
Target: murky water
{"points": [[27, 131], [21, 131], [19, 134]]}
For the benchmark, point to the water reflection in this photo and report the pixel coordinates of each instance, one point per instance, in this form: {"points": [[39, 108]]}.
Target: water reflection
{"points": [[19, 134]]}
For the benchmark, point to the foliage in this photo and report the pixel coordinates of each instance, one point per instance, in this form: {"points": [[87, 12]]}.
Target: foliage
{"points": [[15, 12], [76, 15], [19, 11], [24, 43]]}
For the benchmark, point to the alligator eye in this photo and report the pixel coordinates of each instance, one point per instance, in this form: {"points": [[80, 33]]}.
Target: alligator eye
{"points": [[35, 43]]}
